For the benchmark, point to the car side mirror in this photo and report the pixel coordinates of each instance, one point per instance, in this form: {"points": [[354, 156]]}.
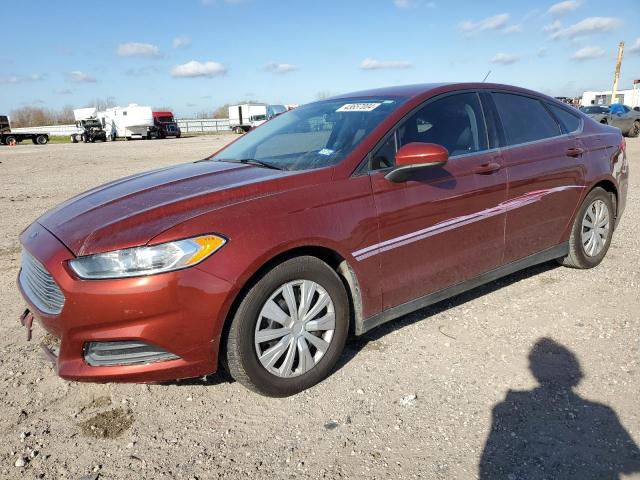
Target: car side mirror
{"points": [[416, 156]]}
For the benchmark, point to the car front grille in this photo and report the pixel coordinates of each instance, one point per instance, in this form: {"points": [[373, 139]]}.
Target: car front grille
{"points": [[39, 286]]}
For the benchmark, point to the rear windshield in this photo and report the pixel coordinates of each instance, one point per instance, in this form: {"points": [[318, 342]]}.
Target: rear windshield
{"points": [[165, 119], [315, 135]]}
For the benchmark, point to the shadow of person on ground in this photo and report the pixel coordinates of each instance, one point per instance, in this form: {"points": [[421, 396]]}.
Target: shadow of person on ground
{"points": [[550, 432]]}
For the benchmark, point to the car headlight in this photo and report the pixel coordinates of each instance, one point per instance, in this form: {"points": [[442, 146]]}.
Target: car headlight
{"points": [[147, 260]]}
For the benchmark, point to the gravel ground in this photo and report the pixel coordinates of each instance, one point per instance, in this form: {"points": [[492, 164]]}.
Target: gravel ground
{"points": [[414, 398]]}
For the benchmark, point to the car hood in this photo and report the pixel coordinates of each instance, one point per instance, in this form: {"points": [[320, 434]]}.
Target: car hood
{"points": [[131, 211]]}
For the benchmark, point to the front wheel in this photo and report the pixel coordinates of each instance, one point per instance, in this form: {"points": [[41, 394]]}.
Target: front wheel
{"points": [[635, 129], [592, 230], [290, 328]]}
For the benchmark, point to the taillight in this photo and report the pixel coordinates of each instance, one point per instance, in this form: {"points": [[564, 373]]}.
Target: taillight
{"points": [[623, 145]]}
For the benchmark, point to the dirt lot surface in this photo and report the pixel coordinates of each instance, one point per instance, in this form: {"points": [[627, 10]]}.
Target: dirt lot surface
{"points": [[414, 398]]}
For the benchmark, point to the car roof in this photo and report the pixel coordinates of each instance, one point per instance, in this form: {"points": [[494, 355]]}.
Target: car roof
{"points": [[419, 90]]}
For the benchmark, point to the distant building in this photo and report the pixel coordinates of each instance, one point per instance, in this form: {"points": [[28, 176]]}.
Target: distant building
{"points": [[630, 98]]}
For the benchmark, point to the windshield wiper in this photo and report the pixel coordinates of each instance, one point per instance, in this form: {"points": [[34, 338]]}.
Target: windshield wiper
{"points": [[252, 161]]}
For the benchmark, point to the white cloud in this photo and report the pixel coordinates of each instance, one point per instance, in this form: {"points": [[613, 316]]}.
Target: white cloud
{"points": [[634, 49], [553, 27], [62, 91], [542, 52], [490, 23], [588, 53], [15, 79], [134, 49], [413, 4], [181, 42], [513, 29], [588, 26], [373, 64], [77, 76], [562, 8], [504, 58], [280, 68], [198, 69]]}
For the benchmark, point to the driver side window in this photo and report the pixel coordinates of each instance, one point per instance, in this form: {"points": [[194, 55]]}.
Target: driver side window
{"points": [[456, 122]]}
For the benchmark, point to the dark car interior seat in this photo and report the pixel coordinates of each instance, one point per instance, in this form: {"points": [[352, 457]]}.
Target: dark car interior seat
{"points": [[454, 128]]}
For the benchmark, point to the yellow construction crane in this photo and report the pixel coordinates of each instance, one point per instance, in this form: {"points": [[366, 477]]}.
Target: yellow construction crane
{"points": [[616, 76]]}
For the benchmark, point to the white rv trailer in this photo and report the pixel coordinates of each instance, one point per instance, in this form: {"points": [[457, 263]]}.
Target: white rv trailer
{"points": [[133, 121]]}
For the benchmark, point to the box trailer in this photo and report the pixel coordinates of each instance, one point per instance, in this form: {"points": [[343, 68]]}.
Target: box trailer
{"points": [[7, 137], [243, 118]]}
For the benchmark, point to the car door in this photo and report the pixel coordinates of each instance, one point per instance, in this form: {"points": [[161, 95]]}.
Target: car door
{"points": [[543, 163], [443, 224]]}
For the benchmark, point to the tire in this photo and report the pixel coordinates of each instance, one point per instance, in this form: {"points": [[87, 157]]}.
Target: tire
{"points": [[10, 139], [42, 140], [238, 130], [240, 349], [635, 130], [74, 138], [578, 256]]}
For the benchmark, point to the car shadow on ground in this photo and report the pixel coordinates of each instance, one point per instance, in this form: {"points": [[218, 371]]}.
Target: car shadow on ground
{"points": [[550, 432]]}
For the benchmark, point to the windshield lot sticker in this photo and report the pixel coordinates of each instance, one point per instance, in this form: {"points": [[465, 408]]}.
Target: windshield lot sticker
{"points": [[325, 151], [358, 107]]}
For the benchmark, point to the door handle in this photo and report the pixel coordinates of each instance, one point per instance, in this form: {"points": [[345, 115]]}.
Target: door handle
{"points": [[487, 168], [575, 152]]}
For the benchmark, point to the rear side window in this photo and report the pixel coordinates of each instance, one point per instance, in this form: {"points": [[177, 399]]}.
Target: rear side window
{"points": [[524, 119], [568, 120]]}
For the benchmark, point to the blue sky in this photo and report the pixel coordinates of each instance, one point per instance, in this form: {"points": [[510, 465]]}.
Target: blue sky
{"points": [[194, 55]]}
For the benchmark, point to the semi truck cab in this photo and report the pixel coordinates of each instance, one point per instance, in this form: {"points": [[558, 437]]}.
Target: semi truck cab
{"points": [[166, 125]]}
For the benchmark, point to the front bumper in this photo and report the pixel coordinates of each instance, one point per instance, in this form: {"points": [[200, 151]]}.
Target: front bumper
{"points": [[181, 312]]}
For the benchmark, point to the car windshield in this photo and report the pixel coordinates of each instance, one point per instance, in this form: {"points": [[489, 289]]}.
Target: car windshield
{"points": [[597, 109], [257, 118], [315, 135], [165, 119]]}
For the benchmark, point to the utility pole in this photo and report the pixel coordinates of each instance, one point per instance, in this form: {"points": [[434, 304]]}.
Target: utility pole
{"points": [[616, 76]]}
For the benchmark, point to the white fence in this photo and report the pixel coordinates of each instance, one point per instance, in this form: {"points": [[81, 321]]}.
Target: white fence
{"points": [[204, 125]]}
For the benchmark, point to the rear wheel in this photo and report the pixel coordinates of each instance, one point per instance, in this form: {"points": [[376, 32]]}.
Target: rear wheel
{"points": [[635, 129], [290, 328], [42, 139], [238, 130], [592, 230]]}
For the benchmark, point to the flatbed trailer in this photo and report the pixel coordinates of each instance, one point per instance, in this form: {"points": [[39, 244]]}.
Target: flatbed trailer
{"points": [[7, 137]]}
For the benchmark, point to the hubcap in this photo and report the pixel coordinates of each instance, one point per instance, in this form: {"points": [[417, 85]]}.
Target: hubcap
{"points": [[295, 328], [595, 228]]}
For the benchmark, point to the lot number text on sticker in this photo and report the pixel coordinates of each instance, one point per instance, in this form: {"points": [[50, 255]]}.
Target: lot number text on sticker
{"points": [[358, 107]]}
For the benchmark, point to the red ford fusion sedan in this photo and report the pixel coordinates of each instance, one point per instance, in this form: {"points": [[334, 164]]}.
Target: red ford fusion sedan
{"points": [[328, 220]]}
